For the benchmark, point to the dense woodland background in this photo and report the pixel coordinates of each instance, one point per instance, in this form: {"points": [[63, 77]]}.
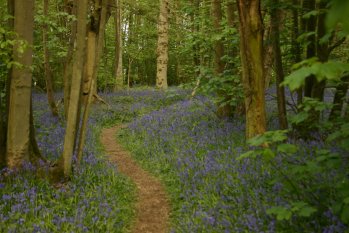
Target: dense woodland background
{"points": [[249, 58]]}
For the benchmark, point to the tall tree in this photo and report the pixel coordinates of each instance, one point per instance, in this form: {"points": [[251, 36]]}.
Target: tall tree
{"points": [[296, 48], [279, 70], [67, 75], [48, 72], [18, 130], [251, 50], [311, 47], [72, 120], [224, 109], [119, 79], [162, 50]]}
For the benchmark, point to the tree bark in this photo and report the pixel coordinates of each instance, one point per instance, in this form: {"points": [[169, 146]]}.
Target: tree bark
{"points": [[222, 110], [279, 70], [339, 98], [311, 50], [69, 62], [4, 111], [72, 121], [251, 50], [218, 47], [162, 49], [119, 79], [18, 131], [296, 48], [48, 73]]}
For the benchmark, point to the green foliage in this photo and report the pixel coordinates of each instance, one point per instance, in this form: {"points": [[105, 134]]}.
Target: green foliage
{"points": [[301, 177], [338, 15], [228, 86], [331, 70], [298, 208]]}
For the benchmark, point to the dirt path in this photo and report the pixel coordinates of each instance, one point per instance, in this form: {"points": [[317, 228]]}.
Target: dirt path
{"points": [[152, 207]]}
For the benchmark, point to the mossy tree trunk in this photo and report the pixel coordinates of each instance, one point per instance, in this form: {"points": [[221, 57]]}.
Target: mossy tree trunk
{"points": [[251, 50]]}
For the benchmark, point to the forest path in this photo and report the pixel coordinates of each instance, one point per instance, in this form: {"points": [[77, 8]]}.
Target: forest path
{"points": [[152, 207]]}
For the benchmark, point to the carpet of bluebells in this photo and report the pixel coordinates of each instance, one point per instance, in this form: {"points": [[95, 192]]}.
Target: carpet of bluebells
{"points": [[195, 154], [183, 142], [97, 199]]}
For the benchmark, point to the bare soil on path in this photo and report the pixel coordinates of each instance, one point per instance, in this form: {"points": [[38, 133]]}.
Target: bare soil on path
{"points": [[152, 207]]}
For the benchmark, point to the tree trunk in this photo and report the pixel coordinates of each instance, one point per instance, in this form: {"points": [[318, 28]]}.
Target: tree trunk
{"points": [[70, 135], [162, 49], [4, 111], [92, 81], [119, 79], [268, 58], [251, 50], [18, 131], [223, 110], [48, 73], [2, 136], [311, 50], [275, 31], [69, 63], [339, 98], [296, 48], [90, 62], [322, 50], [218, 47]]}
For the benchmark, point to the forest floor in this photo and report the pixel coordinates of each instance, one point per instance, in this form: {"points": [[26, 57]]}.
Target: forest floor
{"points": [[152, 206]]}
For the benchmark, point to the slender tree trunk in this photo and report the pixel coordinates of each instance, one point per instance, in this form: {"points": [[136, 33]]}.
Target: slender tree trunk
{"points": [[296, 48], [162, 49], [119, 79], [218, 47], [129, 70], [309, 5], [70, 135], [90, 62], [223, 110], [69, 63], [18, 131], [339, 98], [275, 28], [2, 135], [322, 49], [92, 81], [100, 41], [4, 112], [48, 73], [251, 50], [268, 58]]}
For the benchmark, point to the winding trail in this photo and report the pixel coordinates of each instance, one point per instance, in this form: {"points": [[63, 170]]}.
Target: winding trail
{"points": [[152, 207]]}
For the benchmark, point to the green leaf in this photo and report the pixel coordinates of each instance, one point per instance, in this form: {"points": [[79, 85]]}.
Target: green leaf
{"points": [[281, 212], [248, 154], [299, 118], [297, 78], [268, 154], [338, 14], [345, 214], [310, 14], [306, 211], [346, 200], [287, 148]]}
